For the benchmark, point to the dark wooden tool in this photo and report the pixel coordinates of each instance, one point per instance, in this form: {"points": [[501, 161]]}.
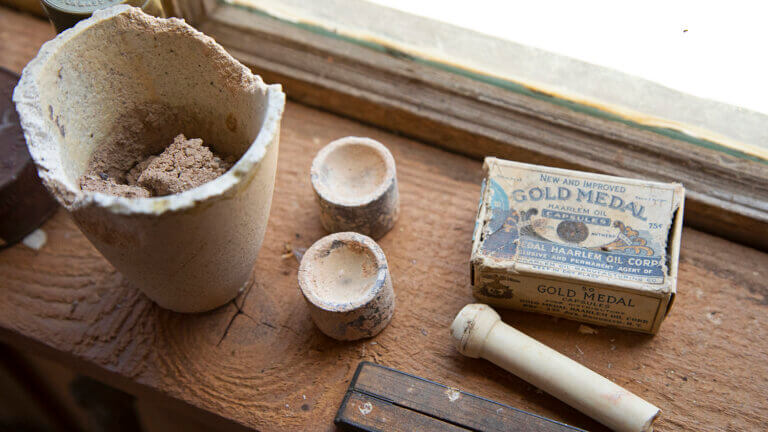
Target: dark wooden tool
{"points": [[384, 399], [24, 202]]}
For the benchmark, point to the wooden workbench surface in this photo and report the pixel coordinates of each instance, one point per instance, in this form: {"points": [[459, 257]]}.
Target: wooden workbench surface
{"points": [[269, 368]]}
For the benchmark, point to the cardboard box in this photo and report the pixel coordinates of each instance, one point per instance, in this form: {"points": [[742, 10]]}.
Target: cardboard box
{"points": [[589, 247]]}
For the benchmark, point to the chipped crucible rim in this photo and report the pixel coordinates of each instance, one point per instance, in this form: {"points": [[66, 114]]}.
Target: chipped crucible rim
{"points": [[41, 140]]}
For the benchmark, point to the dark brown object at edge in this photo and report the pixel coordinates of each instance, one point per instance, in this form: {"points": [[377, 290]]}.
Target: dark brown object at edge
{"points": [[24, 202]]}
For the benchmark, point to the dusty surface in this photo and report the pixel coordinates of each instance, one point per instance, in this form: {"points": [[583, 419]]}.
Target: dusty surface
{"points": [[707, 369], [123, 168]]}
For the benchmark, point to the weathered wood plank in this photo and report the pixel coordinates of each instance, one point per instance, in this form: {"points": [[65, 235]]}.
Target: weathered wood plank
{"points": [[727, 195], [707, 369]]}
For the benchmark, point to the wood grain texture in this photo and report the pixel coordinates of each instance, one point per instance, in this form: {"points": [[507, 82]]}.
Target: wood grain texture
{"points": [[261, 363], [726, 195]]}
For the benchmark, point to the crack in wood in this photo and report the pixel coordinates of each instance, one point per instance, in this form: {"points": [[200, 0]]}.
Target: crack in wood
{"points": [[238, 311]]}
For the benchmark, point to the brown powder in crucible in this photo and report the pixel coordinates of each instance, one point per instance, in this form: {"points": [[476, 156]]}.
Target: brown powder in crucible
{"points": [[183, 165], [105, 185]]}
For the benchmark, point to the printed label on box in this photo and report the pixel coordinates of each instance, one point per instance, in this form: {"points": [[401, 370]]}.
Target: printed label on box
{"points": [[598, 305], [584, 246], [571, 225]]}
